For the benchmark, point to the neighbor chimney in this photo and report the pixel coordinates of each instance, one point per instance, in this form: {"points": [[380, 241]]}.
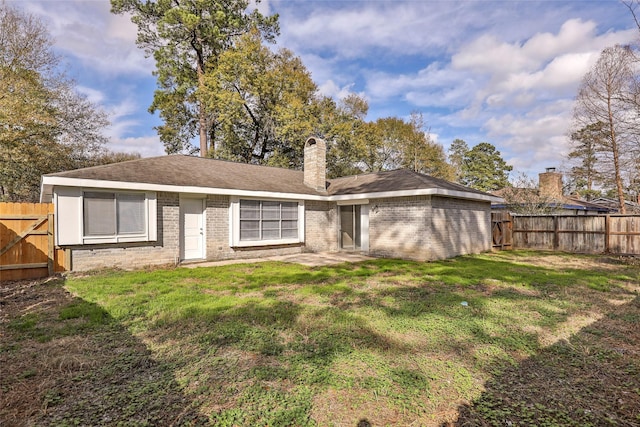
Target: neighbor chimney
{"points": [[550, 184], [315, 164]]}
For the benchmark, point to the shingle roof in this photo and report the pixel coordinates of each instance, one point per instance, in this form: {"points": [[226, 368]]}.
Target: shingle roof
{"points": [[180, 170], [189, 171], [396, 180]]}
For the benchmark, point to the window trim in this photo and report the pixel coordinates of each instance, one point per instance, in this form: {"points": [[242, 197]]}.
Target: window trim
{"points": [[234, 221], [149, 219]]}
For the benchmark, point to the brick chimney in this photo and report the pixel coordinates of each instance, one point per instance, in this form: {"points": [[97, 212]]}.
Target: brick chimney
{"points": [[550, 184], [315, 164]]}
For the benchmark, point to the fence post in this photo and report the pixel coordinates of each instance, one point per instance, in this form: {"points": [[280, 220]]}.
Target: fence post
{"points": [[556, 233], [67, 259], [607, 233], [50, 249]]}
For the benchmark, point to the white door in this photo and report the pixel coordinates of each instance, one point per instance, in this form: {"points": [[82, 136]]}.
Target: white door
{"points": [[192, 230]]}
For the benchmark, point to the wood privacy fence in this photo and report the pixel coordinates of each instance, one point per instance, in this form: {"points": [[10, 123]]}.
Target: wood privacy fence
{"points": [[615, 234], [27, 248]]}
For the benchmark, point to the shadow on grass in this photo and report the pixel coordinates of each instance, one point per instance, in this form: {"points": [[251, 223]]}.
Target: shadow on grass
{"points": [[256, 344], [592, 379], [66, 361]]}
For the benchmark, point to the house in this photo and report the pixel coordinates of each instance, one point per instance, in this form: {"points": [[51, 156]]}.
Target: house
{"points": [[176, 208], [548, 198], [614, 204]]}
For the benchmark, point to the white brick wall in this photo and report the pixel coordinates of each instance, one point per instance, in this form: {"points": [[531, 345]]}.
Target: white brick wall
{"points": [[321, 227], [427, 228], [459, 227]]}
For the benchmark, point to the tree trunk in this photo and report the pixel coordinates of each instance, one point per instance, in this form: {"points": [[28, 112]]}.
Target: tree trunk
{"points": [[619, 187], [202, 117], [616, 158], [196, 43]]}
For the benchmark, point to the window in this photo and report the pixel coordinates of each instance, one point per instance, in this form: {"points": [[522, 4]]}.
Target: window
{"points": [[257, 222], [268, 220], [114, 216]]}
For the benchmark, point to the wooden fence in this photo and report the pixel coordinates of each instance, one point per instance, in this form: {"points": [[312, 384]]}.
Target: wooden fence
{"points": [[615, 234], [27, 248]]}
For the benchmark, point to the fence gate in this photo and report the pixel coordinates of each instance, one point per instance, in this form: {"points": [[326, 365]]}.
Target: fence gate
{"points": [[501, 230], [26, 242]]}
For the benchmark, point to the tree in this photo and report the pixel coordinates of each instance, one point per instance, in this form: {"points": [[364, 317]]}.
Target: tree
{"points": [[186, 39], [457, 152], [585, 153], [422, 154], [265, 103], [484, 169], [45, 125], [344, 128], [391, 143], [382, 150], [607, 99]]}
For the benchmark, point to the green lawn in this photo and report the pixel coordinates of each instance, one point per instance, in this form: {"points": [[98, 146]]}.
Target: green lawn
{"points": [[384, 342]]}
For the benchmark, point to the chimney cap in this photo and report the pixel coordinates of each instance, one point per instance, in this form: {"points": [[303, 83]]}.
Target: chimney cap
{"points": [[552, 169]]}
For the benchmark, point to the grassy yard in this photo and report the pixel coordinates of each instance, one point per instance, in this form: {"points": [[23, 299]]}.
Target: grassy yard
{"points": [[511, 338]]}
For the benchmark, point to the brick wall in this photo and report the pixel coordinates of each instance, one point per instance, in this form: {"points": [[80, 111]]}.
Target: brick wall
{"points": [[421, 228], [426, 228], [459, 227], [165, 250], [397, 227], [217, 217], [321, 227]]}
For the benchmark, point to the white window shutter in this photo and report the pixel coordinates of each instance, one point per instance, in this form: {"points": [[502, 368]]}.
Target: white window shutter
{"points": [[68, 211], [153, 216]]}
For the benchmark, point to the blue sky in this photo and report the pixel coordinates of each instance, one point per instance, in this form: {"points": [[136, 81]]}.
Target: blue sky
{"points": [[504, 72]]}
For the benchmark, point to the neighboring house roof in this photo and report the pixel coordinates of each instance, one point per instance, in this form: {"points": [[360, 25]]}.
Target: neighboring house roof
{"points": [[574, 203], [202, 175], [566, 203], [614, 204]]}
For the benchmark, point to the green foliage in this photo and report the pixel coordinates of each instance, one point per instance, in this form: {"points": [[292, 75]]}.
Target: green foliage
{"points": [[391, 143], [587, 143], [457, 152], [186, 39], [264, 101], [421, 154], [481, 167]]}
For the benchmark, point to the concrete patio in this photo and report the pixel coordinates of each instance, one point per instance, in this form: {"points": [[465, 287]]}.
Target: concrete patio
{"points": [[309, 259]]}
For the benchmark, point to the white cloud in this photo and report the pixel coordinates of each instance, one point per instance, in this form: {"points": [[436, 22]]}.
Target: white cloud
{"points": [[146, 145], [504, 72], [93, 95], [90, 33], [331, 89], [263, 6]]}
